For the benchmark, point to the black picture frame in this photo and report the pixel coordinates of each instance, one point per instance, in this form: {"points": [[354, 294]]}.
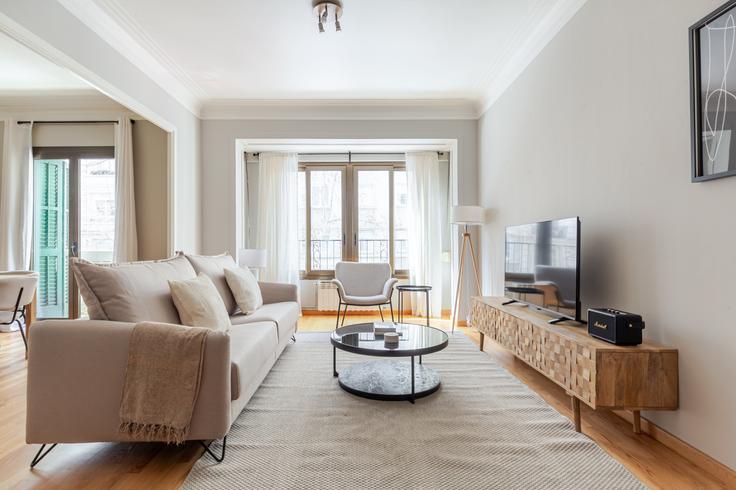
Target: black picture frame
{"points": [[696, 123]]}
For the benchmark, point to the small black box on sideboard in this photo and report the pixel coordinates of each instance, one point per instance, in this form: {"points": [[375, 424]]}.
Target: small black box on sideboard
{"points": [[614, 326]]}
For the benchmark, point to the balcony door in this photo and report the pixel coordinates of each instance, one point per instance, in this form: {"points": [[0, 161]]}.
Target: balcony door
{"points": [[352, 212], [74, 206]]}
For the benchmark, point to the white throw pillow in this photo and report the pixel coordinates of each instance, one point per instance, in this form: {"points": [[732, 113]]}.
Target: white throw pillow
{"points": [[245, 289], [199, 304]]}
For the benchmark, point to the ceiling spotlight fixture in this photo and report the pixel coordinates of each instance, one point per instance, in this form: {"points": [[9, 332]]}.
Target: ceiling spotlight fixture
{"points": [[326, 10]]}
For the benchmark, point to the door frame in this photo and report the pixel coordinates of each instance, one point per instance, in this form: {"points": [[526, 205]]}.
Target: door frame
{"points": [[74, 154]]}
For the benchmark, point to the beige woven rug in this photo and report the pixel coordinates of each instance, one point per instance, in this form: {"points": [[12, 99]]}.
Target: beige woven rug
{"points": [[482, 429]]}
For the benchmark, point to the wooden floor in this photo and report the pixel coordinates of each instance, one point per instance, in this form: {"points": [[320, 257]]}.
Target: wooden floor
{"points": [[154, 466]]}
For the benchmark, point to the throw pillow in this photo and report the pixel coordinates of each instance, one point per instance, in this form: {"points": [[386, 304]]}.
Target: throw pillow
{"points": [[245, 289], [199, 304]]}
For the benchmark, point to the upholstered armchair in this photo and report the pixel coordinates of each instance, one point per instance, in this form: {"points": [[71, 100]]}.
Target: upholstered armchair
{"points": [[363, 284], [17, 289]]}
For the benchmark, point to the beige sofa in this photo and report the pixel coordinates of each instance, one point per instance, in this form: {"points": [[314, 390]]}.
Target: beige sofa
{"points": [[76, 368]]}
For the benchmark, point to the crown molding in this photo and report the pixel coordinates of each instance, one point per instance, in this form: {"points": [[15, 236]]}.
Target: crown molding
{"points": [[530, 47], [113, 24], [340, 109]]}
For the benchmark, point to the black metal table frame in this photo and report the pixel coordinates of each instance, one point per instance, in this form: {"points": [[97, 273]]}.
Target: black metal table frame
{"points": [[397, 353], [406, 288]]}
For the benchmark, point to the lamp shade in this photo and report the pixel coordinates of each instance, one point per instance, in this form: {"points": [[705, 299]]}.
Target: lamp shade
{"points": [[467, 215], [252, 257]]}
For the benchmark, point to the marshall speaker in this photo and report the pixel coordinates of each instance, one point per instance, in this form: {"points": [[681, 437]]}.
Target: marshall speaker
{"points": [[614, 326]]}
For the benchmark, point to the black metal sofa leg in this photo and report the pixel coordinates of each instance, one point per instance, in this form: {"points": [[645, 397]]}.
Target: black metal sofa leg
{"points": [[41, 454], [214, 456]]}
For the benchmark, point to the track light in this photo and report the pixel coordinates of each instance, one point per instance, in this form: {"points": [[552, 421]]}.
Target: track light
{"points": [[326, 9]]}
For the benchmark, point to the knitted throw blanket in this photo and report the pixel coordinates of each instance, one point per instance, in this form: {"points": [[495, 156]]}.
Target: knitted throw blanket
{"points": [[161, 381]]}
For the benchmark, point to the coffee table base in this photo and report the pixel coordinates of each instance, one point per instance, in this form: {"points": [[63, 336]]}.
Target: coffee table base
{"points": [[389, 380]]}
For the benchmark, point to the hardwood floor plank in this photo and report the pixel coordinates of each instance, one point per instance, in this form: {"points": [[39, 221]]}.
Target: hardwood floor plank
{"points": [[157, 466]]}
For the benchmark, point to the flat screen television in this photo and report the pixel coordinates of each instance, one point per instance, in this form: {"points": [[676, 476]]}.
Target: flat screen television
{"points": [[543, 266]]}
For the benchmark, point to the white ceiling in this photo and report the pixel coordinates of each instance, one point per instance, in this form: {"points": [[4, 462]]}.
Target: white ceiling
{"points": [[23, 72], [218, 52]]}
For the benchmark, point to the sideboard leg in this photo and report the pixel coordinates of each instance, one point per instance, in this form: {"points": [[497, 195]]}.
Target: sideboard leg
{"points": [[637, 422], [482, 338], [576, 413]]}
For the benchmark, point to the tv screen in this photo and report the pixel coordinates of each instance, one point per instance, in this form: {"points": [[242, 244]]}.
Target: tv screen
{"points": [[543, 266]]}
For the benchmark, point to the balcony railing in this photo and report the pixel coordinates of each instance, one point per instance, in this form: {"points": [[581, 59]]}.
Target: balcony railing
{"points": [[326, 253]]}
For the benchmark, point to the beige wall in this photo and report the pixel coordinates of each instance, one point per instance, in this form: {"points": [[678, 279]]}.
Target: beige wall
{"points": [[150, 171], [151, 190], [74, 135], [598, 126]]}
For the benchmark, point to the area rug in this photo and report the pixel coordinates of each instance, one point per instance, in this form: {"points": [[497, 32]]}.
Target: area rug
{"points": [[482, 429]]}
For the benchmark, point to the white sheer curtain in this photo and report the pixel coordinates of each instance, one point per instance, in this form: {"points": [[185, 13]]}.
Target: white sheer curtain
{"points": [[426, 206], [125, 247], [276, 224], [16, 197]]}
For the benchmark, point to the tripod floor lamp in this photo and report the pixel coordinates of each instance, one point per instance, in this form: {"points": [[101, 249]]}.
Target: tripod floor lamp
{"points": [[466, 216]]}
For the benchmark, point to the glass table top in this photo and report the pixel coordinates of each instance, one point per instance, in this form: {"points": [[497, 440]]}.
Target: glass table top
{"points": [[413, 340]]}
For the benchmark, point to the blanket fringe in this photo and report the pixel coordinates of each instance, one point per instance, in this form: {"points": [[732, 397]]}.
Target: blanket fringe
{"points": [[153, 432]]}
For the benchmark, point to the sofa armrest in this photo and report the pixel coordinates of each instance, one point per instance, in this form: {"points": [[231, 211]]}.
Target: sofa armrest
{"points": [[76, 372], [276, 292]]}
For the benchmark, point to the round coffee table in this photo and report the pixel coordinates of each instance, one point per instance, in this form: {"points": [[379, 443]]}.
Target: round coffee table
{"points": [[388, 379]]}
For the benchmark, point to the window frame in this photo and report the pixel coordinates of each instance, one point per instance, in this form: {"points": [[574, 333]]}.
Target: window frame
{"points": [[74, 154], [350, 209]]}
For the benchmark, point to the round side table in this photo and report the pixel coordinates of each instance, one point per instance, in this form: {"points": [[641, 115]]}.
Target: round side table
{"points": [[412, 288]]}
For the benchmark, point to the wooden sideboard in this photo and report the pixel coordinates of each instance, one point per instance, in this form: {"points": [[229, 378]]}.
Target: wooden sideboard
{"points": [[601, 375]]}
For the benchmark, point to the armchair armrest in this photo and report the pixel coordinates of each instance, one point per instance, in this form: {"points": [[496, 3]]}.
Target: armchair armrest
{"points": [[340, 288], [76, 372], [389, 286], [276, 292]]}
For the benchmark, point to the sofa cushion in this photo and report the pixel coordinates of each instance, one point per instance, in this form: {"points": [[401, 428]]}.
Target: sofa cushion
{"points": [[214, 267], [132, 292], [251, 346], [284, 315], [199, 304], [245, 289]]}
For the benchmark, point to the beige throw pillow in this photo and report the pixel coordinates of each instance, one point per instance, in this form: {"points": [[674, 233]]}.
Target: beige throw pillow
{"points": [[199, 304], [245, 289]]}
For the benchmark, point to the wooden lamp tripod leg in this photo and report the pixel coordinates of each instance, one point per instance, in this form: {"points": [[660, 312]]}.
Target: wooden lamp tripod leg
{"points": [[459, 281]]}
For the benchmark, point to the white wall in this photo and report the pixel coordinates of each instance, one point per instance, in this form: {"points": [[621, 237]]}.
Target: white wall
{"points": [[598, 126], [60, 35], [219, 159]]}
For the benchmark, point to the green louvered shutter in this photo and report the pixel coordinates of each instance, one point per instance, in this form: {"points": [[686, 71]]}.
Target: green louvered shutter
{"points": [[50, 233]]}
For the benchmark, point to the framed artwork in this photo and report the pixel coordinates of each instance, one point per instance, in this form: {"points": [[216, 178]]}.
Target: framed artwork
{"points": [[713, 94]]}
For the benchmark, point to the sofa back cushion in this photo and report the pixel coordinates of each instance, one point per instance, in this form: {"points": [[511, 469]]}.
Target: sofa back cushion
{"points": [[213, 266], [131, 292]]}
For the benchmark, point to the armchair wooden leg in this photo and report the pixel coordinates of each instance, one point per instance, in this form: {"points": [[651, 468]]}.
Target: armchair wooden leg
{"points": [[337, 320], [391, 305], [380, 311], [344, 315], [22, 334]]}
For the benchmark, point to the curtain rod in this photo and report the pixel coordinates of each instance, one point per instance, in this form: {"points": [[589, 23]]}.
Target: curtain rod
{"points": [[72, 122], [349, 153]]}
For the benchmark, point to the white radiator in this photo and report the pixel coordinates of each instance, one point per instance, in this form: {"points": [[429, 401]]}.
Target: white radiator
{"points": [[327, 298]]}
